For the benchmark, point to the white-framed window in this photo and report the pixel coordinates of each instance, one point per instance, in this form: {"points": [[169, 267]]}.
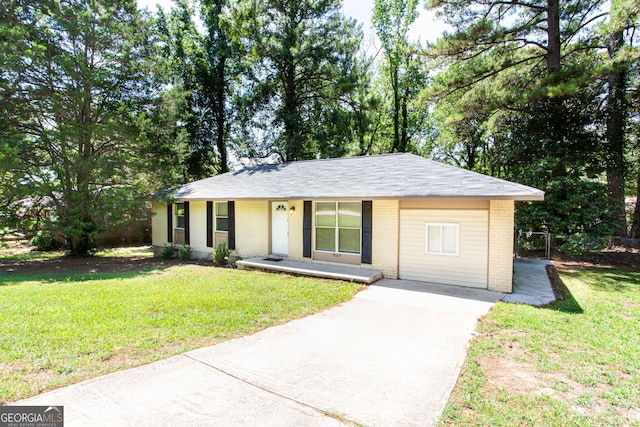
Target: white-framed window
{"points": [[179, 214], [222, 216], [338, 227], [442, 238]]}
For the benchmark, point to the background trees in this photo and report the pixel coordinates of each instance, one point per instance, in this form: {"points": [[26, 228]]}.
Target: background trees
{"points": [[400, 68], [204, 64], [300, 60], [101, 104], [77, 78], [535, 70]]}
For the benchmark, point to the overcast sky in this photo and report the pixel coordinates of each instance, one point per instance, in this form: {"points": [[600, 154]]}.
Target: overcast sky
{"points": [[426, 27]]}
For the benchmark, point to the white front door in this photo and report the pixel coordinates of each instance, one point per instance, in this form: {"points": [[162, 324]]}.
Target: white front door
{"points": [[280, 228]]}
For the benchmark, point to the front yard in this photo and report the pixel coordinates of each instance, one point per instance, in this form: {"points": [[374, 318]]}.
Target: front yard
{"points": [[576, 362], [62, 324]]}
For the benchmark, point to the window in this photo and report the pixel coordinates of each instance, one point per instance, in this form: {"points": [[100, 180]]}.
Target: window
{"points": [[441, 238], [179, 211], [338, 226], [222, 216]]}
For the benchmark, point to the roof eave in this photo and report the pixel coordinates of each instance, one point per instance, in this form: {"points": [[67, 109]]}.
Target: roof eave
{"points": [[516, 197]]}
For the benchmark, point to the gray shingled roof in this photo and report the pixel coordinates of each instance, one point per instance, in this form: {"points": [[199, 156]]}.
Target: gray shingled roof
{"points": [[386, 176]]}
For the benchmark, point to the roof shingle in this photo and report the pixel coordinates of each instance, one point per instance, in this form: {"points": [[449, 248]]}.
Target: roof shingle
{"points": [[385, 176]]}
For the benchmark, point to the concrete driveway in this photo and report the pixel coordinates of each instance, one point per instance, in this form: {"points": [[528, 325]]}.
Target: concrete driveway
{"points": [[390, 356]]}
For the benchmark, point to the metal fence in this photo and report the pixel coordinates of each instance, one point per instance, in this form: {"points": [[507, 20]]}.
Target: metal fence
{"points": [[533, 243]]}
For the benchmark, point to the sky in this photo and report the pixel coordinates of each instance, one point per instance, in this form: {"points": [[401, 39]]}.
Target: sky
{"points": [[426, 28]]}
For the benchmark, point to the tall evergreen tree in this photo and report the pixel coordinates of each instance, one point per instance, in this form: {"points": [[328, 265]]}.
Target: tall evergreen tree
{"points": [[620, 34], [391, 20], [76, 80], [301, 54], [206, 64], [535, 57]]}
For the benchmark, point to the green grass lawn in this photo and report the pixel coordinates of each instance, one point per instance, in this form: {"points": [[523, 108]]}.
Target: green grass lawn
{"points": [[576, 362], [60, 328]]}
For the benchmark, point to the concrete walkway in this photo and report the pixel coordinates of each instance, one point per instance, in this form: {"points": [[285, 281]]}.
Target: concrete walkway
{"points": [[531, 283], [390, 356]]}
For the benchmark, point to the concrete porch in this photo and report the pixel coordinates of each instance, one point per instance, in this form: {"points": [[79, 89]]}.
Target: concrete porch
{"points": [[325, 271]]}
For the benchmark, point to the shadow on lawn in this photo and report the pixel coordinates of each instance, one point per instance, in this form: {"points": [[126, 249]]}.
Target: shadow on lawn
{"points": [[79, 269], [618, 280], [565, 301]]}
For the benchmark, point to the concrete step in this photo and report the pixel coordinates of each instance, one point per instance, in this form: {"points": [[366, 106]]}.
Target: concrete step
{"points": [[326, 271]]}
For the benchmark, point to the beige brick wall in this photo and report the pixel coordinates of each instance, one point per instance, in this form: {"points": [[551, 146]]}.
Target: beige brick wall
{"points": [[501, 245], [384, 237], [295, 229], [252, 228], [197, 227]]}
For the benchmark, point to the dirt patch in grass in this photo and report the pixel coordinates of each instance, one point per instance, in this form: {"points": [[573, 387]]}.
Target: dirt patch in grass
{"points": [[523, 378], [21, 257], [516, 373], [96, 264]]}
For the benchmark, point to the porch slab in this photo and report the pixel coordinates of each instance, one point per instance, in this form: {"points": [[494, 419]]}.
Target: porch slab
{"points": [[302, 268]]}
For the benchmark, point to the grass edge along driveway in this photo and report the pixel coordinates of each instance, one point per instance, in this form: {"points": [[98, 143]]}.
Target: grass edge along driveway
{"points": [[65, 327], [575, 362]]}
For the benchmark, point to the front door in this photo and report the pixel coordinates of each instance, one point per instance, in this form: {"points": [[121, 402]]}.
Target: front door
{"points": [[280, 228]]}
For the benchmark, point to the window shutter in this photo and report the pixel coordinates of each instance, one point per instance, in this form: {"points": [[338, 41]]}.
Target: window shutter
{"points": [[169, 223], [187, 239], [367, 209], [306, 229], [210, 224], [231, 234]]}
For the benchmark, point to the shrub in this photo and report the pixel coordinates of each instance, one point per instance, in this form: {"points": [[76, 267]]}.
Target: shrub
{"points": [[580, 243], [573, 245], [185, 252], [168, 251], [221, 253], [45, 241]]}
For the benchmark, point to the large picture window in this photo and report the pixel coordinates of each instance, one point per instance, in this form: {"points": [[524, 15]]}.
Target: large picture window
{"points": [[338, 226], [222, 216], [179, 213], [441, 239]]}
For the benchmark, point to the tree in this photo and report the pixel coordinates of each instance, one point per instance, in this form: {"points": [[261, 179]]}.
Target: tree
{"points": [[535, 57], [391, 20], [535, 36], [365, 105], [204, 64], [623, 18], [576, 201], [77, 79], [300, 53], [494, 38]]}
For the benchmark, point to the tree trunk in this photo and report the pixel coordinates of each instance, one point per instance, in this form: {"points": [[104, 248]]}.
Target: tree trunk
{"points": [[553, 36], [396, 111], [616, 109], [220, 115], [404, 143], [291, 119], [290, 115], [634, 233]]}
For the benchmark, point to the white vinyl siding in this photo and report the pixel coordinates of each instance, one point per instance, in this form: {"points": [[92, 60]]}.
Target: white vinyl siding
{"points": [[469, 268]]}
